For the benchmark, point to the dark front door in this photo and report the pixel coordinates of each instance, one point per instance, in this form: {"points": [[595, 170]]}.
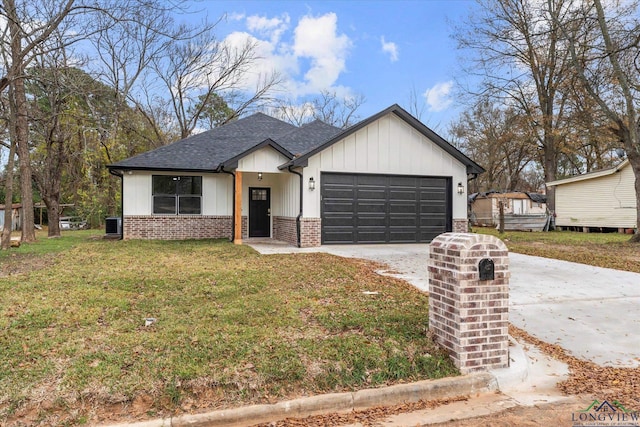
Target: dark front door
{"points": [[259, 212]]}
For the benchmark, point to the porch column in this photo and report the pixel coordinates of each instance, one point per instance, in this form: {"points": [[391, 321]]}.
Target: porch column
{"points": [[237, 200]]}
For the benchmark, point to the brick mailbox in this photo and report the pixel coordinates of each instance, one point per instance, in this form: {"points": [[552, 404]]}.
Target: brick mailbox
{"points": [[468, 299]]}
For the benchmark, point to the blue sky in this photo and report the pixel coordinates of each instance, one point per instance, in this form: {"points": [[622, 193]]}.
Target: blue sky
{"points": [[382, 50]]}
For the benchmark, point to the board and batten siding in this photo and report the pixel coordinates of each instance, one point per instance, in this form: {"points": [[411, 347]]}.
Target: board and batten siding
{"points": [[387, 146], [265, 160], [217, 192], [606, 201], [283, 184]]}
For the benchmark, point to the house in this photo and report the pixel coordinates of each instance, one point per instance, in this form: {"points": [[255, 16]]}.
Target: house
{"points": [[485, 207], [387, 179], [16, 216], [602, 199]]}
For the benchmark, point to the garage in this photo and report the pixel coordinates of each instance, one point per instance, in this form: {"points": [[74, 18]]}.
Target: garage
{"points": [[372, 208]]}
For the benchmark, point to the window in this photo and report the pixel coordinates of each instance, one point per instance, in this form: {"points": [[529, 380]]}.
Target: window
{"points": [[258, 194], [177, 195]]}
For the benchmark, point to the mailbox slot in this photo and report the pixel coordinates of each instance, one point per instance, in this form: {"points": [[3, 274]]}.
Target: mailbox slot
{"points": [[486, 269]]}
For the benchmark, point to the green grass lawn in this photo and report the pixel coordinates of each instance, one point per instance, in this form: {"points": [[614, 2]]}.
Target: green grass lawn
{"points": [[611, 250], [232, 327]]}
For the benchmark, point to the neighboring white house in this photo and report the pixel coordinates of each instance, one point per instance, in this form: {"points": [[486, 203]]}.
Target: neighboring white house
{"points": [[602, 199], [386, 179]]}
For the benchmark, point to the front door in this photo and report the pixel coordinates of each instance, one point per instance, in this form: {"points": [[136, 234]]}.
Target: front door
{"points": [[259, 212]]}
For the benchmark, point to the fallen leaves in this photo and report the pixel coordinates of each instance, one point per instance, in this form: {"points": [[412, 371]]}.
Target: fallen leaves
{"points": [[365, 417], [604, 382]]}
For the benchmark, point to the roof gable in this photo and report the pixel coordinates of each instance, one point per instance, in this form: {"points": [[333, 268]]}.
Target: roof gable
{"points": [[472, 167], [590, 175]]}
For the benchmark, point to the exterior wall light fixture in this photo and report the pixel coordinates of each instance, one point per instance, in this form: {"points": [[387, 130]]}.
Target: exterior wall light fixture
{"points": [[259, 176], [460, 188], [312, 183]]}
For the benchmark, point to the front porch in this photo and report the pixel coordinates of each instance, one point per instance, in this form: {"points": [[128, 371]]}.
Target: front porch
{"points": [[267, 205]]}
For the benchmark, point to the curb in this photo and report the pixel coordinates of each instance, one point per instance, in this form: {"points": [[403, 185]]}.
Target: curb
{"points": [[334, 402]]}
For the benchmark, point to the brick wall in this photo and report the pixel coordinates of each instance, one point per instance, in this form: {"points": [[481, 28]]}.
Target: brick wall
{"points": [[310, 232], [467, 316], [284, 229], [461, 225], [173, 227], [245, 227]]}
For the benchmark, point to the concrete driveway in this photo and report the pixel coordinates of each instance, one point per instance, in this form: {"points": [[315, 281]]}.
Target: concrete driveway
{"points": [[592, 312]]}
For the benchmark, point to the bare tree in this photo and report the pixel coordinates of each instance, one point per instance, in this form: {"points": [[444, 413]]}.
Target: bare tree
{"points": [[609, 71], [195, 70], [327, 107], [517, 50], [500, 140], [415, 104]]}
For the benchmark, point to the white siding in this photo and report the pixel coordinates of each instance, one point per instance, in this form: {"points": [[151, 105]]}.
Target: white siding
{"points": [[386, 146], [217, 192], [607, 201], [137, 193], [264, 160]]}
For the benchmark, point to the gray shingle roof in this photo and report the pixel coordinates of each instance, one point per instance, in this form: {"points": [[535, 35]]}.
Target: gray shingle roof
{"points": [[224, 145], [207, 150], [307, 137]]}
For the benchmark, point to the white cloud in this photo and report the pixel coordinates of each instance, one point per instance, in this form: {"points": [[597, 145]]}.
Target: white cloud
{"points": [[236, 16], [391, 48], [271, 27], [318, 40], [438, 98], [310, 57]]}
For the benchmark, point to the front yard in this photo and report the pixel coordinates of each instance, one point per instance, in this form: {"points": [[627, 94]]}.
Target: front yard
{"points": [[609, 250], [226, 327]]}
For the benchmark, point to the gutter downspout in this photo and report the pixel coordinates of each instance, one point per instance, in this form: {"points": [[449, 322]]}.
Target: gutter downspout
{"points": [[300, 213], [233, 205], [121, 175]]}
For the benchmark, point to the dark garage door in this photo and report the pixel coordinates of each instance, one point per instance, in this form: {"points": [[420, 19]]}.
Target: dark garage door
{"points": [[358, 208]]}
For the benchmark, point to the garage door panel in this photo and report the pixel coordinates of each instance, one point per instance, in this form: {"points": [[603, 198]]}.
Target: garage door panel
{"points": [[403, 181], [371, 236], [371, 194], [361, 208], [410, 221], [379, 221], [337, 221], [339, 206], [370, 207], [374, 180], [401, 194], [433, 182], [402, 208]]}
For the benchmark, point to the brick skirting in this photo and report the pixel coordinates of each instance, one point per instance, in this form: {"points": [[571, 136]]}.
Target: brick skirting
{"points": [[284, 229], [310, 232], [461, 225], [175, 227]]}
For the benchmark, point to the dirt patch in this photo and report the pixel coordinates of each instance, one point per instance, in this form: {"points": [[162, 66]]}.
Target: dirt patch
{"points": [[24, 263]]}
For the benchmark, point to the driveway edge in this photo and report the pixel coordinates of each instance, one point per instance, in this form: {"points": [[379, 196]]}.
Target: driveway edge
{"points": [[334, 402]]}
